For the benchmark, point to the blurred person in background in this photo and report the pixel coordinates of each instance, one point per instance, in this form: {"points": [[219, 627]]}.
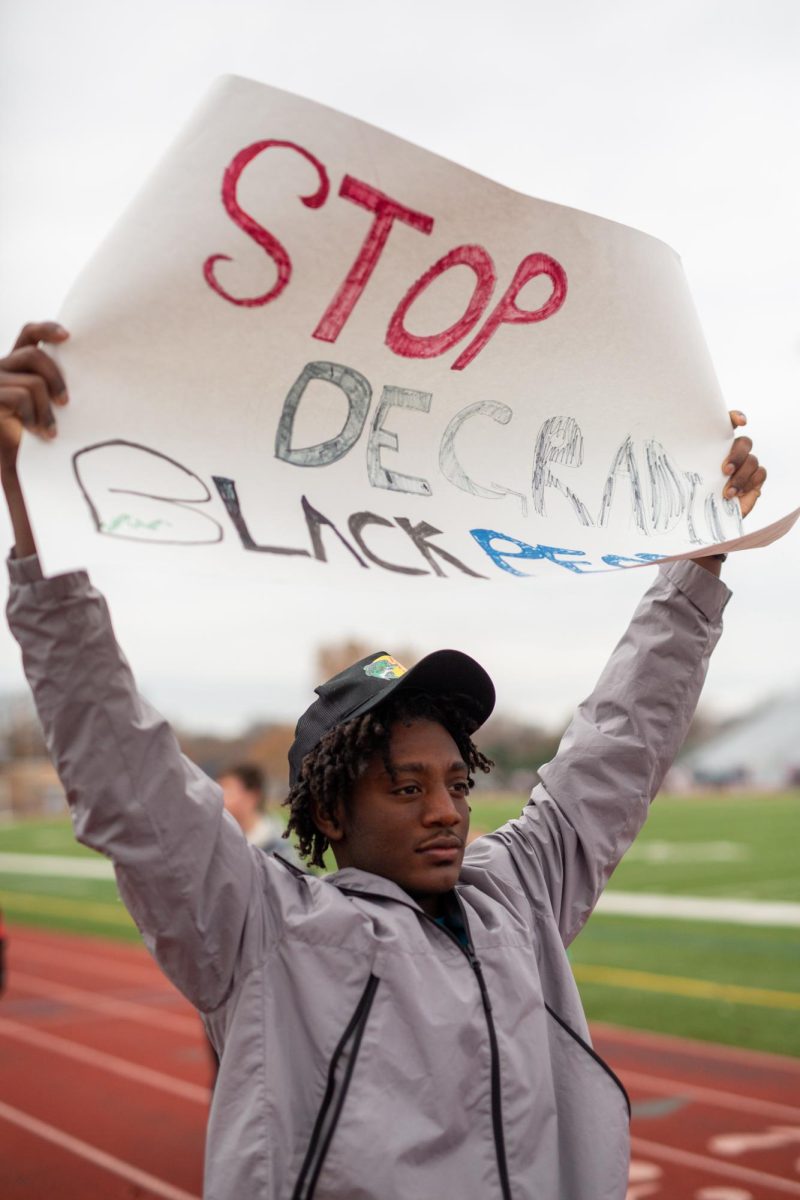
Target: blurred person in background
{"points": [[244, 794]]}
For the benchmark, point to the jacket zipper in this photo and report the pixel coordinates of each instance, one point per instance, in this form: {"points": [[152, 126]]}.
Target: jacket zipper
{"points": [[497, 1109], [332, 1102], [474, 962]]}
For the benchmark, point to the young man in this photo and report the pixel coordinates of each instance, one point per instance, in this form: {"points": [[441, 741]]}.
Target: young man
{"points": [[409, 1026]]}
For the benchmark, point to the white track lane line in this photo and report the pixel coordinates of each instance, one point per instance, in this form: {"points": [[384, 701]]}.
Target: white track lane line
{"points": [[57, 864], [698, 1049], [706, 1095], [145, 972], [127, 1010], [644, 1148], [770, 913], [105, 1062], [49, 1133]]}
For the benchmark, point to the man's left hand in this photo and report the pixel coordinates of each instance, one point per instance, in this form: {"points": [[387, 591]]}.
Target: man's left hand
{"points": [[746, 477]]}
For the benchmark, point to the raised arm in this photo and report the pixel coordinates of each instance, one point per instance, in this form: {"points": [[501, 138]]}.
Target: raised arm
{"points": [[183, 867], [594, 796]]}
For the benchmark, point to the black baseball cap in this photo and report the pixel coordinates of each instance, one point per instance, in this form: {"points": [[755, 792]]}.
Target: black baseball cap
{"points": [[369, 682]]}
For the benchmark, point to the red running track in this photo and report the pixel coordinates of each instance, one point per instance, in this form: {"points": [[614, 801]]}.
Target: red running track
{"points": [[104, 1090]]}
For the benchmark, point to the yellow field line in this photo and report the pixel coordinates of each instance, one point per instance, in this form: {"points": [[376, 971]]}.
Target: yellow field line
{"points": [[25, 902], [678, 985], [620, 977]]}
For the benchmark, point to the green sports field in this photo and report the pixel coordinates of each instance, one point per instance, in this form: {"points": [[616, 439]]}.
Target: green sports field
{"points": [[716, 980]]}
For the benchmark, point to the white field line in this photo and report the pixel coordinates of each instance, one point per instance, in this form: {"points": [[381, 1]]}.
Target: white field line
{"points": [[699, 908], [714, 1050], [104, 1062], [113, 969], [706, 1095], [612, 903], [56, 864], [714, 1166], [49, 1133], [127, 1010]]}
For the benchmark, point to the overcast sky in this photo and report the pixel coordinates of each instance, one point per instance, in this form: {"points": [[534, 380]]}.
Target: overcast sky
{"points": [[680, 118]]}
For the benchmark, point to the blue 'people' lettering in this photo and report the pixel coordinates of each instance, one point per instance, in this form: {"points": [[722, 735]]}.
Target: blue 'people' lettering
{"points": [[487, 539], [616, 560]]}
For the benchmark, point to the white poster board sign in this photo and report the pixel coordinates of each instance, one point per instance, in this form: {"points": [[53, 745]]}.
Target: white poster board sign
{"points": [[311, 349]]}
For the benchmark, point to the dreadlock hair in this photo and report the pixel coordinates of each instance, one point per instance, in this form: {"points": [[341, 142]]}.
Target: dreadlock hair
{"points": [[329, 771]]}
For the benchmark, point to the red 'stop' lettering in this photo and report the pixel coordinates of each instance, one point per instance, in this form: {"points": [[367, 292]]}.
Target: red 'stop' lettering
{"points": [[276, 251], [415, 346], [506, 311], [386, 212]]}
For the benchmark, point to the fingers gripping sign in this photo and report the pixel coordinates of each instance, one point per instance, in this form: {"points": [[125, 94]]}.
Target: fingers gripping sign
{"points": [[745, 475], [30, 386]]}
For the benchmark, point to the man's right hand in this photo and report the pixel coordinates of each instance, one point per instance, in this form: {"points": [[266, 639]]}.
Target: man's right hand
{"points": [[30, 385]]}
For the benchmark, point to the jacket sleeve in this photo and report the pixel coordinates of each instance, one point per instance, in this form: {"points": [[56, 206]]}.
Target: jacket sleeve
{"points": [[594, 796], [183, 867]]}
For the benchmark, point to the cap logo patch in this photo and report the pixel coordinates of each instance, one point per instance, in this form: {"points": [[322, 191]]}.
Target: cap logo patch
{"points": [[385, 667]]}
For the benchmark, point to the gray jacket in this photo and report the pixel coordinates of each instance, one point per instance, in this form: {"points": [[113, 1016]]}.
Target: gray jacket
{"points": [[365, 1054]]}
